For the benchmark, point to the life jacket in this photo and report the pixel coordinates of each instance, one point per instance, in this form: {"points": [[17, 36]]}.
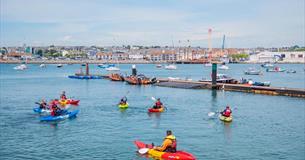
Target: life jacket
{"points": [[173, 147], [63, 97], [227, 113], [158, 104]]}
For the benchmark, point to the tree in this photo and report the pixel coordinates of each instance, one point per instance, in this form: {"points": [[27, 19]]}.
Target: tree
{"points": [[39, 52]]}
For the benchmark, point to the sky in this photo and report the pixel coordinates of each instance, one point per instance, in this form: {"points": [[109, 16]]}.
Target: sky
{"points": [[245, 23]]}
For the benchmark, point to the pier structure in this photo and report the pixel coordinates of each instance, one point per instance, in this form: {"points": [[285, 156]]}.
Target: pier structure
{"points": [[275, 91]]}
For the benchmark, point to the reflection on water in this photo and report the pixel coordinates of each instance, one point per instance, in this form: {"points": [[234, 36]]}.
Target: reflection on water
{"points": [[227, 131], [156, 117]]}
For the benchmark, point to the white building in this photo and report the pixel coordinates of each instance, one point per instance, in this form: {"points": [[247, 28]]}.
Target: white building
{"points": [[135, 57], [289, 57]]}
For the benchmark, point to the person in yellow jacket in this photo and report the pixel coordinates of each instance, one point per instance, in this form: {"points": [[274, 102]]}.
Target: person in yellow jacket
{"points": [[169, 143]]}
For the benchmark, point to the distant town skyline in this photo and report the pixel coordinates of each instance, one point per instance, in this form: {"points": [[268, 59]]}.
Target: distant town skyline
{"points": [[246, 24]]}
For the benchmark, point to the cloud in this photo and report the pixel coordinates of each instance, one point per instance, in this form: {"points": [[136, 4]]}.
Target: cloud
{"points": [[263, 23]]}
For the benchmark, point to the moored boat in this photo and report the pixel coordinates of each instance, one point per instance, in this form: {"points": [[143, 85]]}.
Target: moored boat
{"points": [[250, 82], [267, 65], [223, 67], [116, 77], [139, 80], [112, 69], [170, 67], [21, 67], [106, 65], [222, 78], [208, 64], [159, 65], [275, 69], [253, 71]]}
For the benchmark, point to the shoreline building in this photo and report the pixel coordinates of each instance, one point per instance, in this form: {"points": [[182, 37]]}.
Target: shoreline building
{"points": [[289, 57]]}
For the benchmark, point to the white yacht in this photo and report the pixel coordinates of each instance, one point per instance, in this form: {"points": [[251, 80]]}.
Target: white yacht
{"points": [[170, 67]]}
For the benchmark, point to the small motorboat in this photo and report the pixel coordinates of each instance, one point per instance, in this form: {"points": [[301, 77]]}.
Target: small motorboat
{"points": [[42, 66], [250, 82], [112, 69], [170, 67], [208, 64], [253, 71], [275, 69], [59, 65], [223, 67], [159, 65], [21, 67], [116, 77], [222, 78], [139, 80], [267, 65], [106, 65]]}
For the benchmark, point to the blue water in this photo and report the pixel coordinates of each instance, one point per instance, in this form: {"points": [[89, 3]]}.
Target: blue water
{"points": [[264, 127]]}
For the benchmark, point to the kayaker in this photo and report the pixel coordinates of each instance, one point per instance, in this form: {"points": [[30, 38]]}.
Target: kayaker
{"points": [[169, 143], [55, 110], [123, 101], [63, 95], [158, 104], [43, 104], [227, 112]]}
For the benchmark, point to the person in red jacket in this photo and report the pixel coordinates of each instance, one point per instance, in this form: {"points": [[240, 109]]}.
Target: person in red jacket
{"points": [[63, 96], [158, 104], [227, 112]]}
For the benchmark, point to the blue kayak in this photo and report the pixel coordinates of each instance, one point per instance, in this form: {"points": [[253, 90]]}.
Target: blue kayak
{"points": [[39, 110], [61, 117]]}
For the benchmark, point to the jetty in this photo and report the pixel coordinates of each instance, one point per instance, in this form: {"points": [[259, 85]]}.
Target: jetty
{"points": [[275, 91], [213, 85]]}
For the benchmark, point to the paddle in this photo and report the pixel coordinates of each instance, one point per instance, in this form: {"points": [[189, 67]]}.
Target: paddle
{"points": [[210, 114], [143, 150]]}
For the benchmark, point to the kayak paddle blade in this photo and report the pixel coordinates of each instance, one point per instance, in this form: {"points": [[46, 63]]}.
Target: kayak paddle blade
{"points": [[153, 98], [211, 114], [143, 150]]}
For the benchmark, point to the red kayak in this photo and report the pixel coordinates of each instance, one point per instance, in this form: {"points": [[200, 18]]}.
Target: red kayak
{"points": [[73, 102], [156, 110], [181, 155]]}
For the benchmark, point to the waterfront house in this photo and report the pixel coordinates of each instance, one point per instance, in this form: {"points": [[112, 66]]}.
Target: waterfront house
{"points": [[163, 55], [289, 57]]}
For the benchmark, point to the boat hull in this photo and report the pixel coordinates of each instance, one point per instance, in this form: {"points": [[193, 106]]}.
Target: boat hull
{"points": [[181, 155]]}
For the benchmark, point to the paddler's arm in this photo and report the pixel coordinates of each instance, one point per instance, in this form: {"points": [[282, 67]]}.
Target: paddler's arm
{"points": [[164, 145]]}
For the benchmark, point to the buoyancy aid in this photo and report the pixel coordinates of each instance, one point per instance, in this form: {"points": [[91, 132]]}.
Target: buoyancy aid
{"points": [[173, 147], [227, 113]]}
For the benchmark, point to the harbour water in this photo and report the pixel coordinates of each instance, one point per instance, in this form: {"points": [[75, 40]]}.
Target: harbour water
{"points": [[264, 127]]}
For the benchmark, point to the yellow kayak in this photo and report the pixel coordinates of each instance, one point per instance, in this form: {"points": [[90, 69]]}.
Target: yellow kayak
{"points": [[225, 119], [123, 106]]}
